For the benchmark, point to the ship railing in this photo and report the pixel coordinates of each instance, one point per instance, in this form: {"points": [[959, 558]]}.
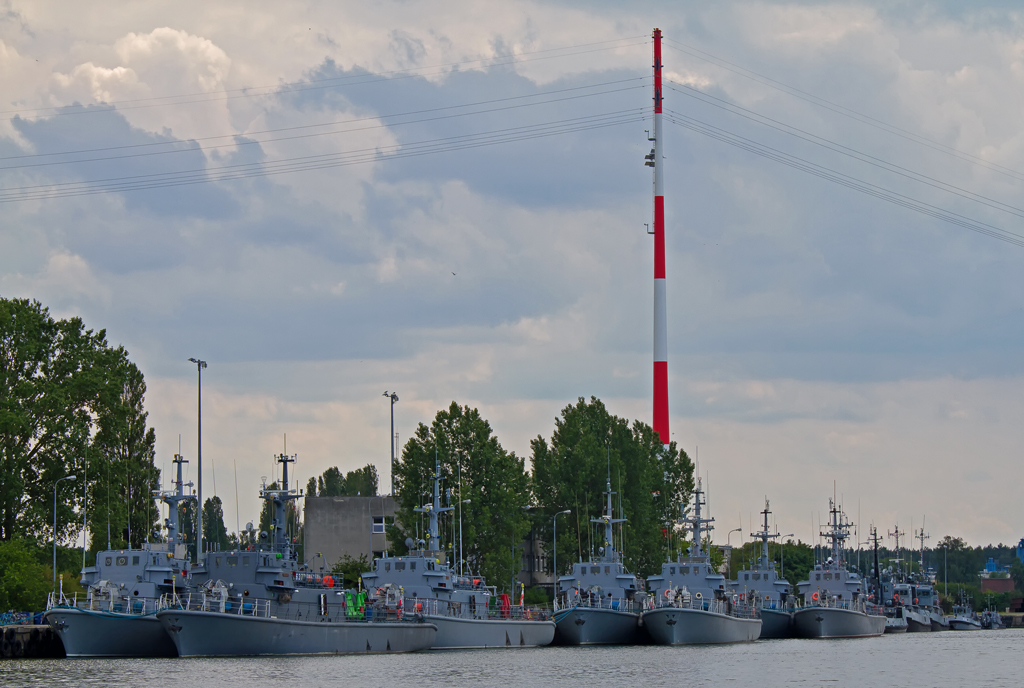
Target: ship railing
{"points": [[467, 610], [599, 602], [203, 602], [713, 605]]}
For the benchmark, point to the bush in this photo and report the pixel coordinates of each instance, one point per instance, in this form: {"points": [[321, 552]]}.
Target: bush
{"points": [[24, 582]]}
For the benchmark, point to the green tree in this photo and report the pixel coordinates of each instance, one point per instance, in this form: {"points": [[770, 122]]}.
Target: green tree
{"points": [[24, 582], [475, 467], [52, 377], [362, 481], [215, 534], [122, 473], [571, 471], [349, 569], [1017, 574]]}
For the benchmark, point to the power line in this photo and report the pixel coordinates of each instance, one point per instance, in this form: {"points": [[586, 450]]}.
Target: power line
{"points": [[323, 161], [846, 150], [842, 110], [848, 181], [236, 143], [298, 87]]}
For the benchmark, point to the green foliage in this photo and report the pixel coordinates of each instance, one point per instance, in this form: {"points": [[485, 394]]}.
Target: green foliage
{"points": [[537, 596], [215, 534], [58, 383], [350, 569], [477, 468], [24, 582], [362, 481], [1017, 574], [571, 472]]}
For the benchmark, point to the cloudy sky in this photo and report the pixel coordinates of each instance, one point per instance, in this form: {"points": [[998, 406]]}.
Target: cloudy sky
{"points": [[448, 200]]}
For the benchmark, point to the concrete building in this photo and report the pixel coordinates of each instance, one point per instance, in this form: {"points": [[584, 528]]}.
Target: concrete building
{"points": [[339, 526]]}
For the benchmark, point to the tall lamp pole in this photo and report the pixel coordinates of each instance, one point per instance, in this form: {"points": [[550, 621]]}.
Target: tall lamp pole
{"points": [[199, 463], [728, 538], [554, 552], [782, 556], [56, 482], [394, 399]]}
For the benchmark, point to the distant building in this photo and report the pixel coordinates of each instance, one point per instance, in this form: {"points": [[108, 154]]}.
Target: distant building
{"points": [[339, 526], [534, 566]]}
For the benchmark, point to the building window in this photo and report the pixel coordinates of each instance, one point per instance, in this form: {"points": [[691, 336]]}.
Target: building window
{"points": [[378, 524]]}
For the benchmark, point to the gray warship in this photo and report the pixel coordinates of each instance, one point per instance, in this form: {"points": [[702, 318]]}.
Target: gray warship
{"points": [[762, 587], [900, 591], [834, 604], [690, 603], [895, 619], [964, 618], [264, 602], [458, 605], [117, 617], [600, 602]]}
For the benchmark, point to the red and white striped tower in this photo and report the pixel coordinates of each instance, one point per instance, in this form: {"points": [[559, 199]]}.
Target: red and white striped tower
{"points": [[660, 310]]}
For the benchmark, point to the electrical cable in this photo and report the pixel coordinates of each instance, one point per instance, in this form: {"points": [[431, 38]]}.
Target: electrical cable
{"points": [[844, 111], [848, 181], [323, 161], [376, 78], [847, 151], [249, 141]]}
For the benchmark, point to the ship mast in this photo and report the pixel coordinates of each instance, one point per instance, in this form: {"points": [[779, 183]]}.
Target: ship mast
{"points": [[172, 499], [279, 499], [697, 523], [838, 531], [608, 521], [765, 535], [433, 509]]}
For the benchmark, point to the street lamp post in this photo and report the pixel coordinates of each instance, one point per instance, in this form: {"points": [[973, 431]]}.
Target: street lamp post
{"points": [[67, 477], [394, 399], [782, 555], [554, 552], [461, 553], [199, 462], [728, 542]]}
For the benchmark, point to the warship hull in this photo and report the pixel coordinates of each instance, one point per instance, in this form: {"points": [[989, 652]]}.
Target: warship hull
{"points": [[87, 633], [918, 623], [213, 634], [684, 626], [895, 625], [776, 623], [939, 623], [455, 633], [832, 622], [590, 626], [964, 625]]}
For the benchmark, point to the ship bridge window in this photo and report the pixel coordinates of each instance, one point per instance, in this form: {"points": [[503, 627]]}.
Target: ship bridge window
{"points": [[135, 561], [399, 566], [387, 566], [107, 561], [121, 561], [671, 570], [684, 569], [746, 576], [232, 561], [245, 561], [757, 576], [817, 576], [595, 569], [216, 562], [828, 576], [412, 565]]}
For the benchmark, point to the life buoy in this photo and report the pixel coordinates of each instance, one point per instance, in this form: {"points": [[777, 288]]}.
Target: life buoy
{"points": [[815, 596], [895, 595], [329, 581], [668, 591], [699, 596]]}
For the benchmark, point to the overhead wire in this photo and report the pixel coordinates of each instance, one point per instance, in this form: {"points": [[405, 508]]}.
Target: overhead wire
{"points": [[837, 177], [323, 161], [842, 110], [841, 149], [248, 140], [300, 87]]}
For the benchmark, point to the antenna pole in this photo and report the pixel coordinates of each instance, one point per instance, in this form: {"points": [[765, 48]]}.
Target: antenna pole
{"points": [[660, 308]]}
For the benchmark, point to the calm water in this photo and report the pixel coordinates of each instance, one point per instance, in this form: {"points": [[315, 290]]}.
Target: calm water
{"points": [[981, 658]]}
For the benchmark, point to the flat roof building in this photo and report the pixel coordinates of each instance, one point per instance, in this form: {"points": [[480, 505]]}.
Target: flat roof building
{"points": [[339, 526]]}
